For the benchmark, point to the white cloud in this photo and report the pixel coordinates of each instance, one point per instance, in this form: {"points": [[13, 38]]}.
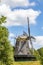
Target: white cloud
{"points": [[39, 42], [18, 17], [12, 39], [17, 3], [11, 35]]}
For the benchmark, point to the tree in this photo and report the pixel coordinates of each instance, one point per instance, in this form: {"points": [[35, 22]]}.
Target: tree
{"points": [[37, 55], [6, 50], [41, 54], [41, 51], [2, 19]]}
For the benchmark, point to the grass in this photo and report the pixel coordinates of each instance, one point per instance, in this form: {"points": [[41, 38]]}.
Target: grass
{"points": [[27, 63]]}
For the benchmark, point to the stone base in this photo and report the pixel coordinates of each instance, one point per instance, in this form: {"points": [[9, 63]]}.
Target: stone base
{"points": [[24, 58]]}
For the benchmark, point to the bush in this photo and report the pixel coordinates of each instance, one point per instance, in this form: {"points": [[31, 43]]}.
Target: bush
{"points": [[36, 54], [41, 60], [41, 51], [1, 63]]}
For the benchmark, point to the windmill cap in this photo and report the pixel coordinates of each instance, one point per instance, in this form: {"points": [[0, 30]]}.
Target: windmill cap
{"points": [[23, 36]]}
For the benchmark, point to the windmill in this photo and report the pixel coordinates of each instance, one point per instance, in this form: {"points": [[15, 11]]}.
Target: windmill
{"points": [[22, 45]]}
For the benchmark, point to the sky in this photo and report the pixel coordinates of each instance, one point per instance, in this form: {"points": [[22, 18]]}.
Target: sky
{"points": [[17, 12]]}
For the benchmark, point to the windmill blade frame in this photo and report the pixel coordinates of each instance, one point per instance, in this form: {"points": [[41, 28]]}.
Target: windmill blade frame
{"points": [[28, 27], [24, 33], [29, 37], [32, 46], [33, 37]]}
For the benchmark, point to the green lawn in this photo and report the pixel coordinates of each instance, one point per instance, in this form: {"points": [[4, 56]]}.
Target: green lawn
{"points": [[27, 63]]}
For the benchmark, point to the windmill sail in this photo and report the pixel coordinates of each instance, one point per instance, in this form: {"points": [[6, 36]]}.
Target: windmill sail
{"points": [[29, 34], [28, 27]]}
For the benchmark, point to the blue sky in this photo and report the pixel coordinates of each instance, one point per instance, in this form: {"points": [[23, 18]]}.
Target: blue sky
{"points": [[17, 11]]}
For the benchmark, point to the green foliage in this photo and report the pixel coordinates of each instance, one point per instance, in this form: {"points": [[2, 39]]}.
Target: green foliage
{"points": [[42, 60], [2, 19], [41, 55], [36, 54], [6, 50], [40, 52], [3, 32], [6, 53], [1, 63]]}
